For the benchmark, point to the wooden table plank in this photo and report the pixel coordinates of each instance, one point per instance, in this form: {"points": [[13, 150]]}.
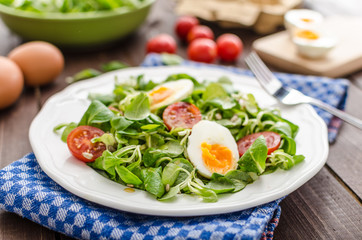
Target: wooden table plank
{"points": [[345, 163], [14, 143], [320, 209], [13, 227]]}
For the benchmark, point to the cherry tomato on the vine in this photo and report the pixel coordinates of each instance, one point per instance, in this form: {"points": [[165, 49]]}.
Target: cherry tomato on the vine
{"points": [[181, 114], [272, 141], [80, 145], [162, 43], [200, 31], [229, 47], [202, 50], [184, 24]]}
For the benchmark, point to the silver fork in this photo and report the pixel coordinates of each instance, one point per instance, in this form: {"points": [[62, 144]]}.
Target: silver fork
{"points": [[291, 96]]}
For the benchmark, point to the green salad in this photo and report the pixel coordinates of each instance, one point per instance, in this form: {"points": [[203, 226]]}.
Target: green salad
{"points": [[181, 136], [70, 6]]}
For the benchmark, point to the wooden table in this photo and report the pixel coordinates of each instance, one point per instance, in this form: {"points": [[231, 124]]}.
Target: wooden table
{"points": [[326, 207]]}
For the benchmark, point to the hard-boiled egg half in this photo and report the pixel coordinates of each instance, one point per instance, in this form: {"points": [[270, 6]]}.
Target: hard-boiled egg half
{"points": [[302, 19], [170, 92], [212, 149], [306, 30], [313, 44]]}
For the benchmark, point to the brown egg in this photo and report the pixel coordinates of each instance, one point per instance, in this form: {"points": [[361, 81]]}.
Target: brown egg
{"points": [[11, 82], [40, 62]]}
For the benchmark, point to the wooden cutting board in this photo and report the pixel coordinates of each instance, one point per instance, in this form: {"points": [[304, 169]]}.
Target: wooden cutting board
{"points": [[279, 51]]}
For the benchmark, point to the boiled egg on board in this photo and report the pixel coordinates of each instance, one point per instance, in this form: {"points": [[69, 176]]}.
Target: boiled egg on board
{"points": [[212, 149], [170, 92], [313, 44], [302, 19], [306, 30]]}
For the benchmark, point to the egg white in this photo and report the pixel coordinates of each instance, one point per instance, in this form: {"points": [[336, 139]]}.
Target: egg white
{"points": [[317, 48], [211, 133], [181, 89], [293, 20]]}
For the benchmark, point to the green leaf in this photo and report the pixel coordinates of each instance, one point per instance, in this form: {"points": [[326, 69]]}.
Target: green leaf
{"points": [[106, 99], [214, 90], [239, 178], [282, 128], [96, 115], [150, 126], [173, 148], [185, 164], [153, 182], [227, 84], [170, 174], [291, 161], [289, 146], [120, 123], [254, 158], [251, 105], [151, 155], [216, 95], [127, 176], [106, 162], [179, 76], [208, 195], [298, 159], [171, 59], [84, 74], [139, 108], [68, 128], [107, 138], [113, 65], [171, 193], [220, 184]]}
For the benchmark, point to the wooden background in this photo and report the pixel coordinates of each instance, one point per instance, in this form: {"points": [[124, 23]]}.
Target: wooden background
{"points": [[326, 207]]}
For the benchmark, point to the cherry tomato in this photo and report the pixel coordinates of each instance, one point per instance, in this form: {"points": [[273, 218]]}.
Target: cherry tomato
{"points": [[229, 47], [183, 26], [202, 50], [200, 31], [272, 141], [162, 43], [80, 145], [181, 114]]}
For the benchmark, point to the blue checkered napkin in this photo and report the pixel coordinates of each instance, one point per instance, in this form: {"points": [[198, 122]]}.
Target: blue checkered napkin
{"points": [[331, 91], [27, 191]]}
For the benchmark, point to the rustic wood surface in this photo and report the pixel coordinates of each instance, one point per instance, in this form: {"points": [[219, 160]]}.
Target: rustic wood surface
{"points": [[326, 207]]}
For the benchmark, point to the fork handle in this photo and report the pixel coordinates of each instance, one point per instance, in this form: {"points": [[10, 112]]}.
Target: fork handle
{"points": [[338, 113]]}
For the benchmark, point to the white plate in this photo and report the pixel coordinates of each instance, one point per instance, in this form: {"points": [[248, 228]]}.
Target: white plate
{"points": [[69, 105]]}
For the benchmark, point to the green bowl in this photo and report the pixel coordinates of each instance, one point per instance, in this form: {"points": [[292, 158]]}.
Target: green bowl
{"points": [[75, 29]]}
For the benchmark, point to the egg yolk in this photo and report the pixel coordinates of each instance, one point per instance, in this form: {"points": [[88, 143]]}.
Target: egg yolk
{"points": [[307, 20], [307, 34], [160, 94], [217, 158]]}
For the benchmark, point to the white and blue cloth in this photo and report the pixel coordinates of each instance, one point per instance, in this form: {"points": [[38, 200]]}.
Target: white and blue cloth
{"points": [[27, 191]]}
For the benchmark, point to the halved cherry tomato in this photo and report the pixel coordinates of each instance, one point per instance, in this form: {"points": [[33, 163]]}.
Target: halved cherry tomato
{"points": [[80, 145], [162, 43], [272, 141], [184, 24], [200, 31], [202, 50], [181, 114]]}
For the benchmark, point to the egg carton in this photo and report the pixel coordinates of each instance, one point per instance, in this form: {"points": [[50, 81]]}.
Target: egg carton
{"points": [[263, 16]]}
